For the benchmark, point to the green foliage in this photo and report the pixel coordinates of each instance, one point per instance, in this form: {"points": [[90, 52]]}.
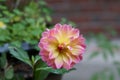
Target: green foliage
{"points": [[94, 54], [106, 74], [18, 77], [20, 54], [3, 60], [117, 66], [9, 72], [65, 21], [34, 62], [105, 47], [24, 25], [40, 74], [40, 69], [56, 71]]}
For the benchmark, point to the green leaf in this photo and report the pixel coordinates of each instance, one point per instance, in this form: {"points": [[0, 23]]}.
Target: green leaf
{"points": [[95, 77], [56, 71], [103, 75], [16, 43], [2, 7], [3, 60], [19, 77], [20, 54], [40, 74], [37, 58], [111, 76], [16, 11], [105, 55], [9, 72], [118, 69], [117, 65], [93, 55], [48, 18], [111, 52]]}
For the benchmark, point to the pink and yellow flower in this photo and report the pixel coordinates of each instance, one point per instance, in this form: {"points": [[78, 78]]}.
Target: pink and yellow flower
{"points": [[62, 46]]}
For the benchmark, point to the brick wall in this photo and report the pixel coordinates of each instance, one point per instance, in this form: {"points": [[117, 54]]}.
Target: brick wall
{"points": [[90, 15]]}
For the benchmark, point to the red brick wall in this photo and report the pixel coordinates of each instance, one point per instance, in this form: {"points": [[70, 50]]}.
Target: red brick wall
{"points": [[88, 14]]}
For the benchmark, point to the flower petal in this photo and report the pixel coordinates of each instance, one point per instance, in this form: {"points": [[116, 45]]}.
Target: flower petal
{"points": [[76, 59], [59, 62], [53, 54], [77, 50], [51, 44], [66, 59], [66, 66], [58, 26]]}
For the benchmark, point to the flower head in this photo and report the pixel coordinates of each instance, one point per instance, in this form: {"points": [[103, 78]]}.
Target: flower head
{"points": [[2, 25], [62, 46]]}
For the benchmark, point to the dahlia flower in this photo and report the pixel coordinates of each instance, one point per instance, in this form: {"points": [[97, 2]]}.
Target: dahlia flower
{"points": [[62, 46]]}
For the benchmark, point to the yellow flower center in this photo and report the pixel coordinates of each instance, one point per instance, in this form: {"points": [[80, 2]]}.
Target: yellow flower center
{"points": [[62, 47]]}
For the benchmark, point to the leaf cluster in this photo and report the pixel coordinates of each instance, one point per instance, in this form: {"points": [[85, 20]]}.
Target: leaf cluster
{"points": [[40, 68], [24, 25]]}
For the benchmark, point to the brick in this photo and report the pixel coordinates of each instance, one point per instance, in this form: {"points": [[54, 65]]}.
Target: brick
{"points": [[99, 29], [54, 1], [89, 15], [60, 7], [56, 19], [108, 1], [79, 19], [99, 24], [80, 1], [93, 8], [114, 8], [77, 8], [108, 20]]}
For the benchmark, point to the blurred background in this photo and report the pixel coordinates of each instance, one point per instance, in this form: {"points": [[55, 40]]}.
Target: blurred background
{"points": [[89, 15], [23, 21]]}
